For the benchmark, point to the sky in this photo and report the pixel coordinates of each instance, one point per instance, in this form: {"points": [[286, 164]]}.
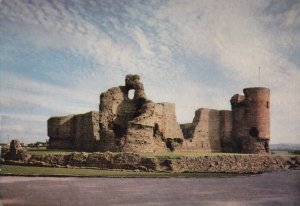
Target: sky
{"points": [[57, 56]]}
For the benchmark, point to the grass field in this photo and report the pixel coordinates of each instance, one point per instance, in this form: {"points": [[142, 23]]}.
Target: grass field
{"points": [[49, 171], [174, 155], [44, 151]]}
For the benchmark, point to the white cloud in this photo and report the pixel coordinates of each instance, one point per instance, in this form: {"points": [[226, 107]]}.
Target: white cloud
{"points": [[238, 36], [17, 89], [233, 34]]}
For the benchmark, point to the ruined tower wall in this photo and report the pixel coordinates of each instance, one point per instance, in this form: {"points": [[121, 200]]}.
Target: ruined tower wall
{"points": [[258, 111], [251, 120], [227, 141], [205, 132], [238, 120], [86, 131], [207, 129], [171, 128], [162, 117], [138, 124], [115, 110], [150, 131], [60, 131], [74, 131], [140, 133]]}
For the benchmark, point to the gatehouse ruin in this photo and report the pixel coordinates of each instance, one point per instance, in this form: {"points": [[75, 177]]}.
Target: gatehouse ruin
{"points": [[141, 125]]}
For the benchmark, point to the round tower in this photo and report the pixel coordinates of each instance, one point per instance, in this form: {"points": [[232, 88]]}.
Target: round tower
{"points": [[251, 120], [257, 102]]}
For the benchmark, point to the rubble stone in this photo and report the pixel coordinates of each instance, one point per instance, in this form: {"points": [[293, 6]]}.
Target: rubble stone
{"points": [[132, 161], [15, 152], [138, 124]]}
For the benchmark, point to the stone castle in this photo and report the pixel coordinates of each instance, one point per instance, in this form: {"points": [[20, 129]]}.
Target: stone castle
{"points": [[140, 125]]}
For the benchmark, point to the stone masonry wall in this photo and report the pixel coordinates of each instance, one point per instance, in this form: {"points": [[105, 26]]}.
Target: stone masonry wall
{"points": [[138, 124], [205, 131], [115, 110], [86, 131], [171, 127], [226, 138], [132, 161], [251, 120], [60, 131], [80, 132], [154, 129]]}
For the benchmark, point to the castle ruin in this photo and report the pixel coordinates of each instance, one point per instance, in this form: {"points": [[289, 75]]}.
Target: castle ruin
{"points": [[80, 132], [140, 125]]}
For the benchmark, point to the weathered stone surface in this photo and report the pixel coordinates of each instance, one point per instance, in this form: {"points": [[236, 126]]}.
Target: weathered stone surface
{"points": [[55, 159], [106, 160], [4, 150], [60, 131], [294, 162], [86, 131], [133, 82], [228, 163], [251, 120], [133, 161], [138, 124], [80, 132], [100, 160], [15, 152], [226, 138], [209, 129]]}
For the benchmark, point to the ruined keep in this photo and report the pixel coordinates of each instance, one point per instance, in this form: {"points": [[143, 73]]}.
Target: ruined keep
{"points": [[140, 125], [136, 124]]}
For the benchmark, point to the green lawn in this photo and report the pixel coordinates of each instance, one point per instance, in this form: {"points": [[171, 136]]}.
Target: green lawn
{"points": [[281, 152], [44, 151], [173, 155], [48, 171]]}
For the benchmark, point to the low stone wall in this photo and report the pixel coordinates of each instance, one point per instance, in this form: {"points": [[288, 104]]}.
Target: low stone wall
{"points": [[107, 160], [229, 164], [133, 161]]}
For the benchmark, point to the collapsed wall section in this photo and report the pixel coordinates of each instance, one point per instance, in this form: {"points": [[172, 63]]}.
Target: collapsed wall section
{"points": [[171, 128], [138, 124], [155, 130], [210, 131], [115, 110]]}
